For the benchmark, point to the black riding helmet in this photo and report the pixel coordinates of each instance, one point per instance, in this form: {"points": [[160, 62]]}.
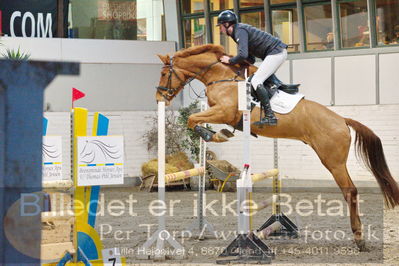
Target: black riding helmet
{"points": [[227, 16]]}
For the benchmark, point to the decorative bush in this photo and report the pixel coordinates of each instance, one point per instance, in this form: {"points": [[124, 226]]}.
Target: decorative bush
{"points": [[178, 137]]}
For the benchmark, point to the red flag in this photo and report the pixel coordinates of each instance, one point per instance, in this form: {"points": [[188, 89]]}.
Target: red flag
{"points": [[77, 94]]}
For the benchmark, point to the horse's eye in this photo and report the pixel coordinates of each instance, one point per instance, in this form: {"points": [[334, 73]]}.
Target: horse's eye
{"points": [[163, 74]]}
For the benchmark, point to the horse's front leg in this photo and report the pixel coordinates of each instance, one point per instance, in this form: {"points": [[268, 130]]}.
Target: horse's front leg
{"points": [[214, 115]]}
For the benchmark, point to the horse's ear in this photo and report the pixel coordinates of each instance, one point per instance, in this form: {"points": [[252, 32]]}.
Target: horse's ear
{"points": [[164, 58]]}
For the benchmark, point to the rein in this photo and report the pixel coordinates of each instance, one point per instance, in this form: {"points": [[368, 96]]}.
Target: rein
{"points": [[171, 92], [224, 80]]}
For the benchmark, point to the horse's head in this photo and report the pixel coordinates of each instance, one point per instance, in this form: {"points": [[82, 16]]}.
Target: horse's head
{"points": [[192, 63], [172, 80]]}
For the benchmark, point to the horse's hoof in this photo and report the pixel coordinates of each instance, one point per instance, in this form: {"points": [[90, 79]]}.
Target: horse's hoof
{"points": [[227, 133], [361, 244], [219, 137]]}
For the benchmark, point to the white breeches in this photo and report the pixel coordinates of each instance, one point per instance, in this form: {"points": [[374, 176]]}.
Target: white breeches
{"points": [[268, 67]]}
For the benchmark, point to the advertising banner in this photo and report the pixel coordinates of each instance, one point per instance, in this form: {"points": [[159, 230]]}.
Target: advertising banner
{"points": [[52, 158], [30, 18], [100, 160]]}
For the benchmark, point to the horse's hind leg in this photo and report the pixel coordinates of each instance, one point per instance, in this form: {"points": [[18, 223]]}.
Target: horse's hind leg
{"points": [[333, 153], [349, 190]]}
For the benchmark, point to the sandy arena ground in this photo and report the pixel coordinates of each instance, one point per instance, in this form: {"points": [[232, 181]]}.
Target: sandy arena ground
{"points": [[325, 237]]}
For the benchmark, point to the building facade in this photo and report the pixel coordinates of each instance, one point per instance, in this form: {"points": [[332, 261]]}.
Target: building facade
{"points": [[305, 25], [343, 53]]}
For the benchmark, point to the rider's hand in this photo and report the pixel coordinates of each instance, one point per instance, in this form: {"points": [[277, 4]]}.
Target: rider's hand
{"points": [[225, 59]]}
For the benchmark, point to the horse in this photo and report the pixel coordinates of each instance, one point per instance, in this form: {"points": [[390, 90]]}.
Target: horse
{"points": [[312, 123]]}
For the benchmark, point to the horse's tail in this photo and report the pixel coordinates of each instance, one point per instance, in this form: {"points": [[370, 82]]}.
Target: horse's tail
{"points": [[368, 146]]}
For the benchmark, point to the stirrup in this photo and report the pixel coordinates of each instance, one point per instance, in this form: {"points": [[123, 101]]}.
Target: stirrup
{"points": [[269, 121], [291, 89]]}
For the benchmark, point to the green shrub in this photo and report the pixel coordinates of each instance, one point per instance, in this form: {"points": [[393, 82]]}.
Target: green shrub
{"points": [[13, 54], [178, 136]]}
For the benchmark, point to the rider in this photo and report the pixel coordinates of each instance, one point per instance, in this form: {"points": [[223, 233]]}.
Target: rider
{"points": [[254, 43]]}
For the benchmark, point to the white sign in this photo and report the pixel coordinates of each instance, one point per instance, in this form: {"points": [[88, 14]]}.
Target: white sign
{"points": [[100, 160], [52, 158], [112, 257]]}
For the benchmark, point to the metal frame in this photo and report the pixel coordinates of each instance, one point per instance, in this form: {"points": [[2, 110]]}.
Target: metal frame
{"points": [[268, 15], [317, 3], [301, 26], [208, 25], [335, 22], [345, 52], [236, 4], [332, 100], [60, 19], [183, 16], [372, 23], [291, 5], [299, 4], [180, 25], [337, 32], [377, 79]]}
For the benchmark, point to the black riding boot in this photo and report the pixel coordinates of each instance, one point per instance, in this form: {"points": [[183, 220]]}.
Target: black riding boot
{"points": [[264, 98]]}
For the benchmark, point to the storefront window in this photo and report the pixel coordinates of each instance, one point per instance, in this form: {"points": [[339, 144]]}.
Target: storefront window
{"points": [[279, 2], [354, 24], [387, 22], [122, 19], [221, 4], [218, 38], [318, 26], [192, 6], [285, 27], [251, 3], [194, 32], [256, 19]]}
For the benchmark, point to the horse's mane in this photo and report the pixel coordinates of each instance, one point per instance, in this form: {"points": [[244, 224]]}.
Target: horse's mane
{"points": [[212, 48]]}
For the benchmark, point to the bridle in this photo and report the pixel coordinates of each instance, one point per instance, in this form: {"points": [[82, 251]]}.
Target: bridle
{"points": [[171, 92]]}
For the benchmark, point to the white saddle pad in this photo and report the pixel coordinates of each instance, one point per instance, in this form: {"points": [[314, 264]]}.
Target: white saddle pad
{"points": [[283, 102]]}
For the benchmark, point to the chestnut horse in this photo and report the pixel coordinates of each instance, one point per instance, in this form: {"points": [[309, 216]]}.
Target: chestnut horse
{"points": [[325, 131]]}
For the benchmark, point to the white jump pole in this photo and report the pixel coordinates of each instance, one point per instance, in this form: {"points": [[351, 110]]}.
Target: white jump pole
{"points": [[246, 247], [161, 235], [244, 184], [201, 225]]}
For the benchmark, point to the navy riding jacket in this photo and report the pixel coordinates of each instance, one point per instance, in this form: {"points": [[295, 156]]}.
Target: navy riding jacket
{"points": [[254, 43]]}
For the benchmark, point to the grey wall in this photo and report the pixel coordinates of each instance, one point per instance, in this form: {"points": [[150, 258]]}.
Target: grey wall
{"points": [[347, 77], [108, 87], [115, 75]]}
